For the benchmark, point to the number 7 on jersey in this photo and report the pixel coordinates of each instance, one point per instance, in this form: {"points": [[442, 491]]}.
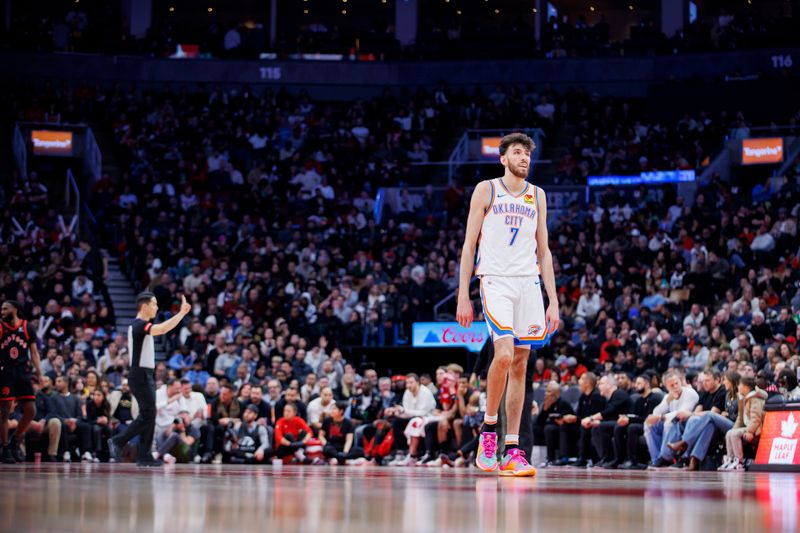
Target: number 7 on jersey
{"points": [[514, 232]]}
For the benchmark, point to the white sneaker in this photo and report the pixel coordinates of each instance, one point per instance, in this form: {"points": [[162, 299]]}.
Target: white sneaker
{"points": [[460, 462], [170, 459], [406, 461], [217, 459], [357, 462], [334, 462], [87, 457], [197, 459], [300, 455], [736, 465], [725, 463], [67, 457], [95, 459], [435, 463]]}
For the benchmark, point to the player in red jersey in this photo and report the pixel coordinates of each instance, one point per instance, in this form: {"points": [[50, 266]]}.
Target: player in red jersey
{"points": [[18, 355]]}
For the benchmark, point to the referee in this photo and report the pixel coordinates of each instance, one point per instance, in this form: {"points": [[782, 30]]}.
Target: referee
{"points": [[141, 378]]}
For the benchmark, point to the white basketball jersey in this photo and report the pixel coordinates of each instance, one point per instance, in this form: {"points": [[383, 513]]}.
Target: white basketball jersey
{"points": [[507, 243]]}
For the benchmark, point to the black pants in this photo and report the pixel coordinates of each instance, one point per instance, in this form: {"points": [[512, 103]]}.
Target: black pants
{"points": [[560, 440], [331, 452], [213, 436], [626, 442], [81, 437], [585, 448], [602, 439], [100, 435], [143, 388], [526, 423], [399, 426]]}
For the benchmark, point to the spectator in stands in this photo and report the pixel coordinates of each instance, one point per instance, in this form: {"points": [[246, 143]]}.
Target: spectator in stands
{"points": [[787, 380], [98, 415], [320, 408], [291, 434], [545, 427], [748, 423], [292, 396], [668, 418], [571, 427], [264, 409], [44, 424], [226, 411], [411, 417], [123, 406], [249, 441], [178, 443], [336, 435], [602, 423], [168, 405], [68, 409], [630, 427], [706, 423]]}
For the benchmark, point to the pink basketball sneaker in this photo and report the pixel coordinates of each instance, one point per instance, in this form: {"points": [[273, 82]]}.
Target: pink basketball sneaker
{"points": [[514, 464], [487, 452]]}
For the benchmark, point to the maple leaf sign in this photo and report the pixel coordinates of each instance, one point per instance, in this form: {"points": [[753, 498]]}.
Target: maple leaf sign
{"points": [[788, 427]]}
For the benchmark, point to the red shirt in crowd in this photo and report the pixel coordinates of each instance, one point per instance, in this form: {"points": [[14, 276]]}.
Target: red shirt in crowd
{"points": [[292, 427]]}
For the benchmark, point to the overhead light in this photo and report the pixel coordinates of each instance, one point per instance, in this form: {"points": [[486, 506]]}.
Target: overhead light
{"points": [[305, 12], [591, 8], [458, 12], [535, 10], [496, 11], [344, 12], [630, 7], [210, 9], [344, 1], [172, 9]]}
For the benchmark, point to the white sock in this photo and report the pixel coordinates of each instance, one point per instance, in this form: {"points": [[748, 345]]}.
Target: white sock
{"points": [[512, 439]]}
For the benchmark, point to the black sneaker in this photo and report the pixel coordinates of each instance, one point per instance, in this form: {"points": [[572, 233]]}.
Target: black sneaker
{"points": [[660, 463], [610, 465], [6, 456], [150, 463], [49, 459], [16, 451], [580, 463], [564, 461], [114, 453]]}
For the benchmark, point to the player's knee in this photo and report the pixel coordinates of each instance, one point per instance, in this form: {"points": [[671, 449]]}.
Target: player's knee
{"points": [[503, 358]]}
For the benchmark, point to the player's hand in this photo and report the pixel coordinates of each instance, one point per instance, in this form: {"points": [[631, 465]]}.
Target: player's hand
{"points": [[185, 306], [551, 318], [464, 314]]}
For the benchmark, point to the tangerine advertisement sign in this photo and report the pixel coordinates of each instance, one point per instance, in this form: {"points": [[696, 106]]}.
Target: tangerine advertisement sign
{"points": [[490, 146], [761, 151], [49, 142], [779, 436]]}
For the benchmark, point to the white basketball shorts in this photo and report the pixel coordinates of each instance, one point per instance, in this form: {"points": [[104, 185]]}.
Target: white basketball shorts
{"points": [[513, 306]]}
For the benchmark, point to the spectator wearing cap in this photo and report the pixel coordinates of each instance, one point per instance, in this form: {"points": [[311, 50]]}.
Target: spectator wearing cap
{"points": [[179, 441], [602, 423], [249, 441], [666, 423]]}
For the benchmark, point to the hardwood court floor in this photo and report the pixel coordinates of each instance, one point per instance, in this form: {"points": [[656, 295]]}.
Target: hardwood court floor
{"points": [[188, 499]]}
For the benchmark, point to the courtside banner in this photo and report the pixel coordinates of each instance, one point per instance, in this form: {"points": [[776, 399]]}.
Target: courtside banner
{"points": [[449, 335], [762, 151], [778, 446], [49, 142], [490, 147]]}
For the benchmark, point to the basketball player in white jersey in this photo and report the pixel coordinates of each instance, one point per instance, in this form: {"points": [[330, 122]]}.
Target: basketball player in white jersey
{"points": [[508, 224]]}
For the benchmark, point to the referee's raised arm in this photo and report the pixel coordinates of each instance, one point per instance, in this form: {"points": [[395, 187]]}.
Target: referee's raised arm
{"points": [[169, 325]]}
